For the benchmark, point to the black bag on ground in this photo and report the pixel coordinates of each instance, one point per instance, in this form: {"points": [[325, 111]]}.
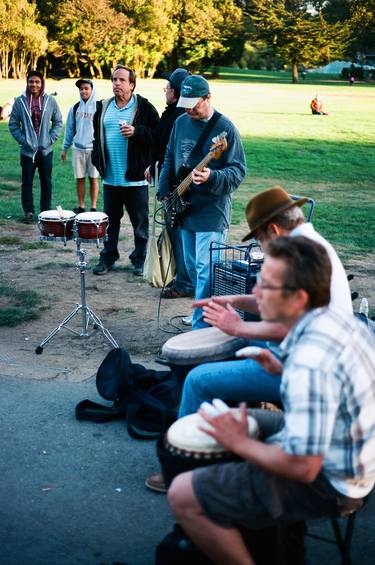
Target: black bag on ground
{"points": [[147, 398], [176, 548], [280, 545], [89, 410]]}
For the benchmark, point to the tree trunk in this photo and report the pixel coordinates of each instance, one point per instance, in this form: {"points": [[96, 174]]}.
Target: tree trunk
{"points": [[294, 72]]}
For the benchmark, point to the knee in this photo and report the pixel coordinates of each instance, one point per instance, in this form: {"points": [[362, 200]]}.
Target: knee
{"points": [[196, 379], [181, 497]]}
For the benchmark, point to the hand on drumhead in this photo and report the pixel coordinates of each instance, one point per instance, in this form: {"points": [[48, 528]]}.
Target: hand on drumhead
{"points": [[224, 317], [228, 430]]}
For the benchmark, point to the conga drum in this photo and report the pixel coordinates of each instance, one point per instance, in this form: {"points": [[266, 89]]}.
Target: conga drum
{"points": [[201, 346], [91, 227], [185, 447], [56, 225]]}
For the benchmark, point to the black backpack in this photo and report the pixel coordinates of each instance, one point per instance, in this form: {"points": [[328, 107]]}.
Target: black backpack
{"points": [[148, 399]]}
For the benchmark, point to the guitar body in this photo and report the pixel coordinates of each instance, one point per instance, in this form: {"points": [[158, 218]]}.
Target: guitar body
{"points": [[174, 209], [175, 206]]}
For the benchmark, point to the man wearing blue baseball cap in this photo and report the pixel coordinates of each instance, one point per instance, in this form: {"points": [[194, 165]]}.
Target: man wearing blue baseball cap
{"points": [[196, 136]]}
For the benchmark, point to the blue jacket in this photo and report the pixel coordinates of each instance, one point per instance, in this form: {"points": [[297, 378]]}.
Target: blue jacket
{"points": [[22, 129]]}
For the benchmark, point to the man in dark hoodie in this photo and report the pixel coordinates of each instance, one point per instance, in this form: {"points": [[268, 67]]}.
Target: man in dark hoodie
{"points": [[182, 285], [123, 145], [35, 123]]}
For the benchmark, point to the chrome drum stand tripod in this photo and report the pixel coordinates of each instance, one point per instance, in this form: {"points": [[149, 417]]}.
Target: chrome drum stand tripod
{"points": [[87, 314]]}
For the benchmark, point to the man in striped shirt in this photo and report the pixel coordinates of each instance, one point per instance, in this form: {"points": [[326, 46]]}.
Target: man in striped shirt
{"points": [[123, 142], [316, 459]]}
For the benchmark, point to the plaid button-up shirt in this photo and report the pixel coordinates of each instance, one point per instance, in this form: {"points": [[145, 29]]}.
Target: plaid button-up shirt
{"points": [[328, 393]]}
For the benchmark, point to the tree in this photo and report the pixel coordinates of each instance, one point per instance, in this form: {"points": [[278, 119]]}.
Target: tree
{"points": [[359, 15], [23, 40], [90, 35], [297, 33], [153, 33], [206, 32]]}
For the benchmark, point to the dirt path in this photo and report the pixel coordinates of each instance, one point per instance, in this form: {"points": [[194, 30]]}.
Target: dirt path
{"points": [[127, 306]]}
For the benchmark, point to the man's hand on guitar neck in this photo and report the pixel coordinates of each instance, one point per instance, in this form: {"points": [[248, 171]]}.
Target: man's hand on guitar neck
{"points": [[199, 177]]}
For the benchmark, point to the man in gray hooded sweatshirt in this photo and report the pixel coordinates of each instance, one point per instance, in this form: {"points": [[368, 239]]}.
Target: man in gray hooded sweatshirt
{"points": [[35, 123], [80, 132]]}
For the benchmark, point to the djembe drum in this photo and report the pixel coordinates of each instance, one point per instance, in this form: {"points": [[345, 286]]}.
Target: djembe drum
{"points": [[185, 351], [185, 447]]}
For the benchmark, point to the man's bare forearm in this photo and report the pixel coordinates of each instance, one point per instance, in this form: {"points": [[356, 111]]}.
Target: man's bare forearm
{"points": [[302, 468], [269, 331], [244, 302]]}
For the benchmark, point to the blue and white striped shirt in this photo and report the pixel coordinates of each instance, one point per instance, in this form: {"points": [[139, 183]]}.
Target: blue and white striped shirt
{"points": [[117, 145], [328, 393]]}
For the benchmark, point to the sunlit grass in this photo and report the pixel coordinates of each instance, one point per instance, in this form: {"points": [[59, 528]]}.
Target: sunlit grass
{"points": [[329, 158]]}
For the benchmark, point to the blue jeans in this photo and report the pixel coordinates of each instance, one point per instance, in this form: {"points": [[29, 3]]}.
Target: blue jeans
{"points": [[196, 247], [242, 380]]}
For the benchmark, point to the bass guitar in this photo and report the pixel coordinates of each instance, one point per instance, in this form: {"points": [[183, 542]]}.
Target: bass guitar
{"points": [[175, 205]]}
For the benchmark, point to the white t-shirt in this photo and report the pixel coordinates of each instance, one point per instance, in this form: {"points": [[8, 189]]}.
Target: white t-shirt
{"points": [[340, 291]]}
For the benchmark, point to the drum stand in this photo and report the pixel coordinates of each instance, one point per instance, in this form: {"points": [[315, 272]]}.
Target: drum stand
{"points": [[87, 314]]}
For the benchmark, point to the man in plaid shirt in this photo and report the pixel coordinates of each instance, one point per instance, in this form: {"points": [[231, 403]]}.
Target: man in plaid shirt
{"points": [[317, 458]]}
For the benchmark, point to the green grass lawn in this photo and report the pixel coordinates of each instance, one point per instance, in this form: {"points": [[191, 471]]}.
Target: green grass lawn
{"points": [[329, 158]]}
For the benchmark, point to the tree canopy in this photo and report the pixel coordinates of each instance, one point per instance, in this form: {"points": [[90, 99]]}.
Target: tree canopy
{"points": [[299, 35], [84, 37]]}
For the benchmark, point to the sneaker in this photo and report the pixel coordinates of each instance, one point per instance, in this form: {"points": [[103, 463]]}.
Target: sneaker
{"points": [[102, 268], [187, 320], [174, 293], [78, 210], [28, 218], [138, 271], [92, 209], [156, 483]]}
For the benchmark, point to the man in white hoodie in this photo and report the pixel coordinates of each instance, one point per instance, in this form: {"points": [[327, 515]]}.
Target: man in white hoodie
{"points": [[79, 132]]}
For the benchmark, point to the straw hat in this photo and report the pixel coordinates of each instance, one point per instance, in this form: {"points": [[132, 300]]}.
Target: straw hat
{"points": [[266, 205]]}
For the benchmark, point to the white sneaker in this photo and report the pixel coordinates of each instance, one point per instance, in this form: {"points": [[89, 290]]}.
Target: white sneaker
{"points": [[187, 320]]}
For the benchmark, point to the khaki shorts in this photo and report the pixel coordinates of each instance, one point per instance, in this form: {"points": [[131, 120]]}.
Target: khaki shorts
{"points": [[82, 165]]}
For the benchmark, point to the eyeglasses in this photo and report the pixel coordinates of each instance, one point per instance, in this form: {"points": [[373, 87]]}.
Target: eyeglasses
{"points": [[264, 286]]}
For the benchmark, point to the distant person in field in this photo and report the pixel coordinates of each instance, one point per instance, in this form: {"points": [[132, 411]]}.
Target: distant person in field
{"points": [[35, 123], [80, 133], [316, 106]]}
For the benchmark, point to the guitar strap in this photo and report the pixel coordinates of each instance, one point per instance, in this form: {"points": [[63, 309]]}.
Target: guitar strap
{"points": [[196, 154]]}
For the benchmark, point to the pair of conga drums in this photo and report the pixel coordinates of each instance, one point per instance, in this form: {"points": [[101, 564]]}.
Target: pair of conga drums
{"points": [[64, 225]]}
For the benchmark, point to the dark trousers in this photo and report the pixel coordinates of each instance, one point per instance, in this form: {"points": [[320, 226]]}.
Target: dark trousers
{"points": [[29, 165], [182, 280], [135, 200]]}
